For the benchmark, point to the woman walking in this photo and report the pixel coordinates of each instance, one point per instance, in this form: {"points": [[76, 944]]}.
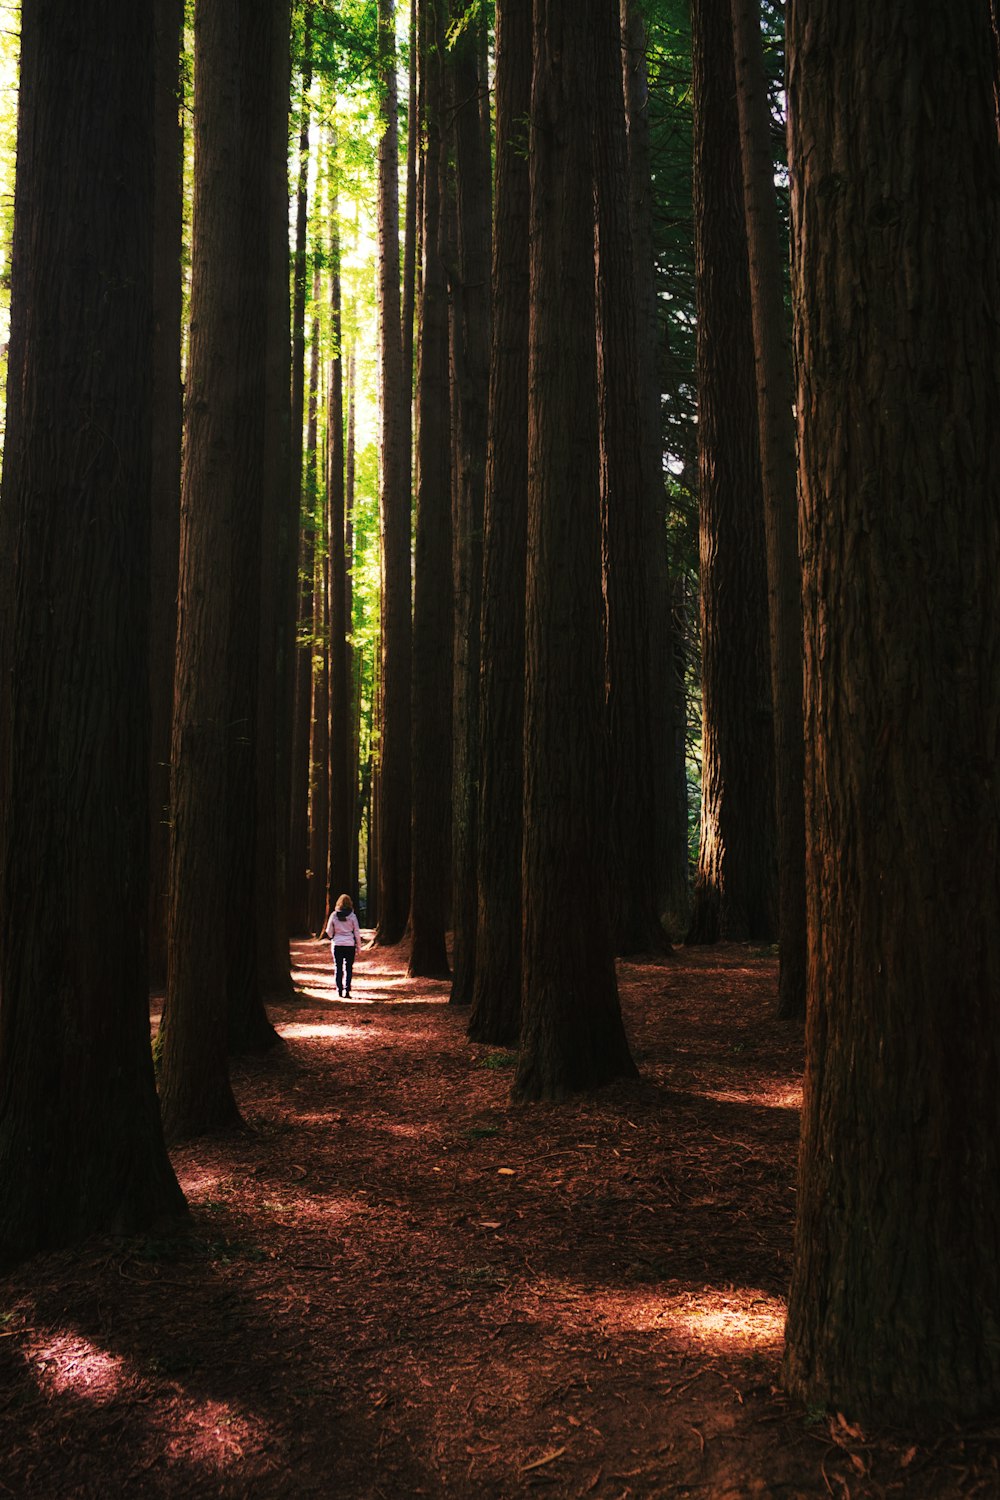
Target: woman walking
{"points": [[345, 939]]}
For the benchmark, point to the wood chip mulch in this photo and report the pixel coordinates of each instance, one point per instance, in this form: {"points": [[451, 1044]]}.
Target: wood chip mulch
{"points": [[395, 1284]]}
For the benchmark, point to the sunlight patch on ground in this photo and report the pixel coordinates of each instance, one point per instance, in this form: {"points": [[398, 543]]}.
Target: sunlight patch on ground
{"points": [[724, 1321], [196, 1183], [214, 1435], [719, 1322], [783, 1096], [314, 1210], [295, 1030], [72, 1365]]}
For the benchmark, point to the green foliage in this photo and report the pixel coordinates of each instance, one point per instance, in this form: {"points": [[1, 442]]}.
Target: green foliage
{"points": [[498, 1060], [343, 42]]}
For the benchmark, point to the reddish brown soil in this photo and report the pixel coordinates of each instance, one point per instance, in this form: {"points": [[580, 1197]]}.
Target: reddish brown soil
{"points": [[397, 1285]]}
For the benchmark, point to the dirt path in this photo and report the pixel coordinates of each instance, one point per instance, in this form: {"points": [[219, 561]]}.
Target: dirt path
{"points": [[399, 1286]]}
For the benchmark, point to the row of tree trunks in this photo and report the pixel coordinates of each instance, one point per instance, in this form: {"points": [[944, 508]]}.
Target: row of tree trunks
{"points": [[81, 1147]]}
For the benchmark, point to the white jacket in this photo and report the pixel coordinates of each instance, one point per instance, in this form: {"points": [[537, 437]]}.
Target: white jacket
{"points": [[344, 932]]}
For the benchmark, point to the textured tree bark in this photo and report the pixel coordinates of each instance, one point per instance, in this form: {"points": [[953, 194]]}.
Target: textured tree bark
{"points": [[776, 425], [572, 1035], [249, 1027], [995, 39], [393, 820], [626, 534], [166, 480], [355, 661], [496, 999], [471, 317], [298, 827], [81, 1148], [735, 893], [319, 744], [410, 235], [666, 708], [895, 1300], [277, 624], [342, 782], [195, 1093], [213, 990], [432, 586]]}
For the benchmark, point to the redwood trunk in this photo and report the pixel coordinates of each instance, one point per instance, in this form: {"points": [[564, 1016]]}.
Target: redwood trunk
{"points": [[393, 821], [81, 1147], [667, 707], [298, 858], [472, 368], [319, 744], [895, 1301], [629, 679], [432, 591], [277, 627], [213, 992], [341, 713], [572, 1035], [777, 446], [166, 479], [735, 890], [496, 1000]]}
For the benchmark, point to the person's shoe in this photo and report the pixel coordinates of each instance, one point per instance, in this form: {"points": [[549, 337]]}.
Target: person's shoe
{"points": [[347, 994], [339, 990]]}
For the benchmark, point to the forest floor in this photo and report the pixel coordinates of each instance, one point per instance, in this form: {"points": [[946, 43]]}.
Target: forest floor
{"points": [[395, 1284]]}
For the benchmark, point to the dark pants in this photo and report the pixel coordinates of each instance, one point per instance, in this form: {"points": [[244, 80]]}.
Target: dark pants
{"points": [[343, 957]]}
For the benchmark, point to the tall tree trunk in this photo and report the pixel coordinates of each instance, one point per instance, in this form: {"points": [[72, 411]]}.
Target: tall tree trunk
{"points": [[319, 744], [355, 661], [249, 1027], [212, 983], [410, 228], [777, 447], [298, 860], [472, 370], [394, 520], [629, 680], [341, 715], [195, 1092], [735, 894], [432, 593], [666, 708], [166, 480], [279, 537], [496, 1000], [572, 1035], [81, 1148], [895, 1301]]}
